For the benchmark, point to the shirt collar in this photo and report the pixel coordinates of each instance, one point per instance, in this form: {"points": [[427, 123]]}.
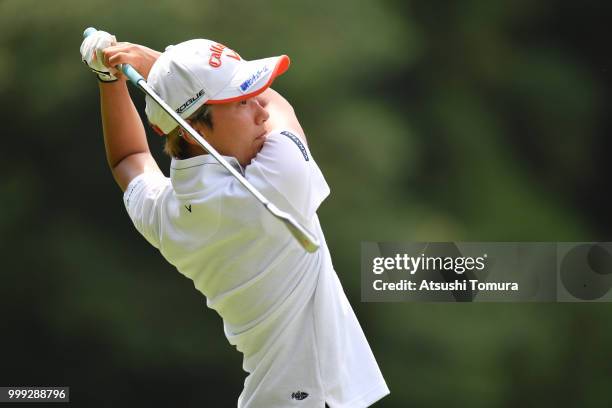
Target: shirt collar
{"points": [[193, 174]]}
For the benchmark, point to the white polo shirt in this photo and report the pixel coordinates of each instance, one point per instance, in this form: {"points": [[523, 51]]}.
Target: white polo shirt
{"points": [[282, 307]]}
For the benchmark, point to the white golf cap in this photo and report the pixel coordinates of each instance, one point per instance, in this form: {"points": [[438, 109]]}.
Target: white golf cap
{"points": [[195, 72]]}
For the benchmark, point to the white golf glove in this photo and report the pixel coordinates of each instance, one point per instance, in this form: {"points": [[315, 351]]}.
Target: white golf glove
{"points": [[91, 54]]}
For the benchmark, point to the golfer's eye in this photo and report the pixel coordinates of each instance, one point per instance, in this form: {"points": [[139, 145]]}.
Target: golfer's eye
{"points": [[243, 102]]}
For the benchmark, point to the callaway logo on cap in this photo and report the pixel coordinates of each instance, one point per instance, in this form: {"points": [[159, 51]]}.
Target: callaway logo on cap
{"points": [[195, 72]]}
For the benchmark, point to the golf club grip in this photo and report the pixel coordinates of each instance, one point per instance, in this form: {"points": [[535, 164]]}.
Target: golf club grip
{"points": [[127, 69]]}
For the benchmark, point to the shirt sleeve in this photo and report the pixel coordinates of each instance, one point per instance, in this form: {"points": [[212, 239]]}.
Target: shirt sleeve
{"points": [[142, 200], [284, 168]]}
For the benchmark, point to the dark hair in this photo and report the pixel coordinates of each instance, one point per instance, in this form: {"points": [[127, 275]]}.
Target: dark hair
{"points": [[178, 147]]}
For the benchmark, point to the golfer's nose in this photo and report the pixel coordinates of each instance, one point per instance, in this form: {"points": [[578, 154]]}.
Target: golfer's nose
{"points": [[261, 115]]}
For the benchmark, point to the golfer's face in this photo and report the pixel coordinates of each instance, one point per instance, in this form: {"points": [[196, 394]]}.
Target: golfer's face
{"points": [[238, 129]]}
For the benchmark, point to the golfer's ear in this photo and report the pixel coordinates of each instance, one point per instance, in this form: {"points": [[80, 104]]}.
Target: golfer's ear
{"points": [[190, 139], [185, 135]]}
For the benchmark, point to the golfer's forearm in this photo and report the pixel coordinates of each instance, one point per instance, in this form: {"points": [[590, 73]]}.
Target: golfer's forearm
{"points": [[124, 132]]}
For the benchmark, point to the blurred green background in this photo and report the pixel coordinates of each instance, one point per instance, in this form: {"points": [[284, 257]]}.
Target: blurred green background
{"points": [[473, 120]]}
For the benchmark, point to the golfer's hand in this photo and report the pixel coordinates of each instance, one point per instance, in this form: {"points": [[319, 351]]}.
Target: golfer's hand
{"points": [[91, 54], [139, 57]]}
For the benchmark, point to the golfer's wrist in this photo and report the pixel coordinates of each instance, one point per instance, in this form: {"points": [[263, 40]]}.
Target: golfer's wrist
{"points": [[106, 81], [121, 80]]}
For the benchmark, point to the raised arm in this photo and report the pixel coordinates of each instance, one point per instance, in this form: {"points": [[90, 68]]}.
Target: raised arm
{"points": [[127, 150], [281, 112]]}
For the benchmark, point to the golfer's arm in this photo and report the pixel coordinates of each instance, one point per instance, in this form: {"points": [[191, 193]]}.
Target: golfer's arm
{"points": [[127, 150], [281, 112]]}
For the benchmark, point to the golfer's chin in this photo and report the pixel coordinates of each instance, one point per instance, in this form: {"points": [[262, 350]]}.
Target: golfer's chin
{"points": [[259, 142], [245, 162]]}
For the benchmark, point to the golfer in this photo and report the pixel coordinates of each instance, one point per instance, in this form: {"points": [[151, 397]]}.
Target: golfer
{"points": [[283, 308]]}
